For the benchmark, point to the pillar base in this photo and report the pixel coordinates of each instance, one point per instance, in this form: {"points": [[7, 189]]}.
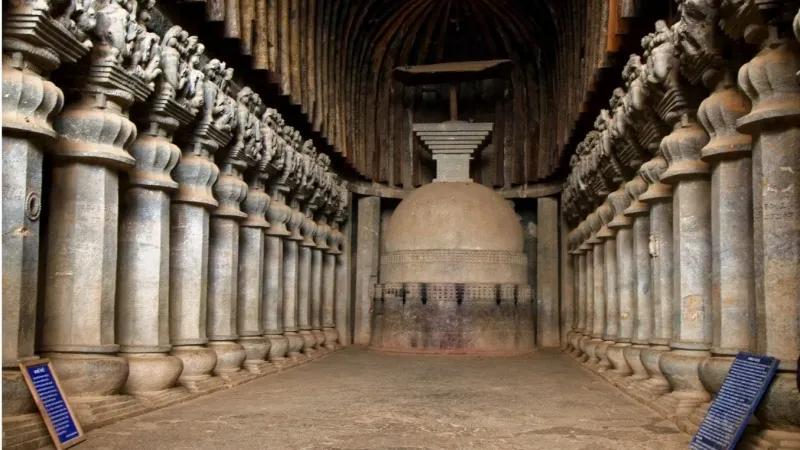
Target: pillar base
{"points": [[681, 369], [591, 348], [575, 340], [17, 399], [602, 352], [295, 343], [632, 356], [319, 337], [198, 362], [309, 341], [230, 357], [616, 356], [656, 385], [151, 373], [331, 336], [256, 349], [583, 355], [779, 410], [89, 374], [568, 342], [279, 345]]}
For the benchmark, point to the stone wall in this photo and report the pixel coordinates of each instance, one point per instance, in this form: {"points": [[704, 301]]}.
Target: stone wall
{"points": [[682, 205], [193, 238]]}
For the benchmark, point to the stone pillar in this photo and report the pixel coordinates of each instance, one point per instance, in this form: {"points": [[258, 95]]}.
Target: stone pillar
{"points": [[598, 287], [336, 212], [587, 267], [769, 79], [196, 173], [277, 214], [567, 265], [143, 270], [625, 282], [691, 340], [343, 311], [733, 295], [252, 263], [639, 213], [368, 245], [547, 267], [580, 254], [308, 229], [290, 282], [30, 101], [659, 197], [610, 318], [328, 297], [223, 267], [318, 270], [94, 134]]}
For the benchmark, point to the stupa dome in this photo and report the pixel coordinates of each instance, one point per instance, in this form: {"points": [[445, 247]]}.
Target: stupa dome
{"points": [[454, 232]]}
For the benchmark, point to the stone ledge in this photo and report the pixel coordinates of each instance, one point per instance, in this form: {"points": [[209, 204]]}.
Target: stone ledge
{"points": [[28, 432]]}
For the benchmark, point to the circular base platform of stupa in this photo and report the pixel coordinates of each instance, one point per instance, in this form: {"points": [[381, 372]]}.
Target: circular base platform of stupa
{"points": [[453, 318]]}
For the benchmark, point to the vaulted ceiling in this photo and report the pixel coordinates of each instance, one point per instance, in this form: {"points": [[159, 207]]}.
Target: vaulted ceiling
{"points": [[333, 60]]}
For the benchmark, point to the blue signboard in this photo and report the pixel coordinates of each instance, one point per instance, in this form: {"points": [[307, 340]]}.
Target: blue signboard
{"points": [[737, 399], [46, 390]]}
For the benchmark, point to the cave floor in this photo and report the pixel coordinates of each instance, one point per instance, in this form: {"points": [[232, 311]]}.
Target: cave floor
{"points": [[359, 399]]}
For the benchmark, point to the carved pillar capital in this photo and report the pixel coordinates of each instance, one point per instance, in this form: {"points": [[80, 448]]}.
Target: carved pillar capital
{"points": [[651, 172], [619, 202]]}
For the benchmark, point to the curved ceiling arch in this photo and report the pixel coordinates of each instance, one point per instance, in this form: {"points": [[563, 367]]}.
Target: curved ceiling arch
{"points": [[334, 58]]}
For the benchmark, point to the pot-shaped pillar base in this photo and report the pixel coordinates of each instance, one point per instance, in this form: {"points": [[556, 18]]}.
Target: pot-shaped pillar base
{"points": [[331, 338], [319, 337], [256, 349], [583, 343], [230, 357], [591, 350], [151, 373], [681, 368], [602, 352], [295, 344], [632, 356], [568, 342], [279, 345], [89, 374], [619, 366], [309, 341], [656, 385], [198, 362]]}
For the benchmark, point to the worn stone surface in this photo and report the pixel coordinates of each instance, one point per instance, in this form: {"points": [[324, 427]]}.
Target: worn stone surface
{"points": [[368, 248], [543, 401], [547, 266]]}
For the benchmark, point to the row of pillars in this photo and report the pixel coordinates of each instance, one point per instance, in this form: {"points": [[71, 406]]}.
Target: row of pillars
{"points": [[162, 264], [697, 257]]}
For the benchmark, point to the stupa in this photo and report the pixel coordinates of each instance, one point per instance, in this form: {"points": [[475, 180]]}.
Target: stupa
{"points": [[453, 275]]}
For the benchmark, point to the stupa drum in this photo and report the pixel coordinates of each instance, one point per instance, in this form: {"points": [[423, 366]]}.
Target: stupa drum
{"points": [[453, 275]]}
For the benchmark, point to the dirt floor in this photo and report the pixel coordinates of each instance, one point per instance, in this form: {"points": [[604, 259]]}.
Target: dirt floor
{"points": [[358, 399]]}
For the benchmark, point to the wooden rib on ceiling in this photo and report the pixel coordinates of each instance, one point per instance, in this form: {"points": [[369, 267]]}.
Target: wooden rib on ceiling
{"points": [[334, 59]]}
